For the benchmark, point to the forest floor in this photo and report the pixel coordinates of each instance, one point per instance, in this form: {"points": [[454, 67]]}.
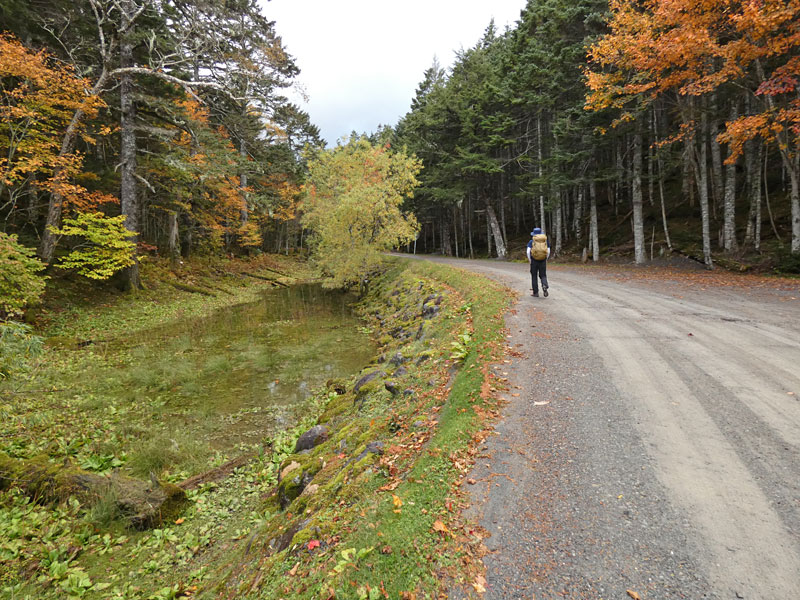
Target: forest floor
{"points": [[650, 444]]}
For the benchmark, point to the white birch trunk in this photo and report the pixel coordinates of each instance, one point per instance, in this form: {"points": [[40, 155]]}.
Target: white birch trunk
{"points": [[496, 232], [729, 227], [594, 239], [636, 199]]}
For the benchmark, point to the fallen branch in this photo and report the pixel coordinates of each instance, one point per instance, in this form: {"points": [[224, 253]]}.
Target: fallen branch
{"points": [[214, 475], [275, 281]]}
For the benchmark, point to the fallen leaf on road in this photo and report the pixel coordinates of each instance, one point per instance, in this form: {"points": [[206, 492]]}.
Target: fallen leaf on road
{"points": [[541, 403], [480, 584], [471, 481], [634, 595], [515, 395]]}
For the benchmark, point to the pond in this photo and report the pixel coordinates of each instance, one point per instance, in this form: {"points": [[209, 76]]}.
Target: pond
{"points": [[247, 371]]}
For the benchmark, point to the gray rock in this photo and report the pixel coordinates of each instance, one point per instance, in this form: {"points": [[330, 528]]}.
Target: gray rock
{"points": [[408, 392], [420, 332], [429, 311], [311, 438], [391, 387], [422, 358], [366, 379], [400, 371], [397, 359]]}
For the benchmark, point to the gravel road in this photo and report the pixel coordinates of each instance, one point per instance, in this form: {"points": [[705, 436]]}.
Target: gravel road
{"points": [[651, 443]]}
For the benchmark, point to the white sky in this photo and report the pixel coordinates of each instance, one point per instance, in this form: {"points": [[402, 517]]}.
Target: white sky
{"points": [[362, 60]]}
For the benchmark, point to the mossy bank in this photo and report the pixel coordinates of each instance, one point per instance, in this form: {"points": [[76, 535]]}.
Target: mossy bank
{"points": [[359, 500]]}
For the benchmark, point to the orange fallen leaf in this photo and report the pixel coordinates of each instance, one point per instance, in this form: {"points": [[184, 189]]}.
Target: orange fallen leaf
{"points": [[396, 501], [293, 570], [480, 584], [440, 527], [179, 521], [471, 481], [313, 544], [633, 594]]}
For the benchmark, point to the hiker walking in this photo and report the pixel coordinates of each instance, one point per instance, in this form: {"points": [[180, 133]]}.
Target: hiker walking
{"points": [[538, 252]]}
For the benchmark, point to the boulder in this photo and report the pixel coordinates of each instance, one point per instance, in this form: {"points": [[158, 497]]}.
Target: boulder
{"points": [[367, 379], [311, 438]]}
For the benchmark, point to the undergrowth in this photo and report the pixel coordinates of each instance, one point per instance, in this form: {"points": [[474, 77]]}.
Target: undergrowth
{"points": [[373, 512]]}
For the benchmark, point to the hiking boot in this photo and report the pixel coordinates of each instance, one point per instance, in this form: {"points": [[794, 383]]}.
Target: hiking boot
{"points": [[535, 294], [544, 291]]}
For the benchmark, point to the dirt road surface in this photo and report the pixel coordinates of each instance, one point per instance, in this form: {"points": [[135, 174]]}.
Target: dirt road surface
{"points": [[650, 447]]}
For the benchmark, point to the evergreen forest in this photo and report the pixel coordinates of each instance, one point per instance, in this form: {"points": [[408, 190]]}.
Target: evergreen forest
{"points": [[143, 127]]}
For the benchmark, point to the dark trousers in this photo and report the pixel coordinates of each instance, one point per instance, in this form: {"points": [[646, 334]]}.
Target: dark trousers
{"points": [[538, 267]]}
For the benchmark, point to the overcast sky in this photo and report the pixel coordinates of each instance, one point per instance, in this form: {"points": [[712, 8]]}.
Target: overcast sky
{"points": [[362, 60]]}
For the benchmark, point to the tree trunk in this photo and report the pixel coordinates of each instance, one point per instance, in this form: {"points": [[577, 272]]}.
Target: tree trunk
{"points": [[495, 229], [661, 184], [636, 199], [447, 249], [142, 504], [752, 156], [557, 229], [594, 238], [729, 226], [688, 172], [129, 203], [47, 244], [173, 237], [577, 216], [539, 152], [243, 182], [469, 226], [719, 186], [701, 170], [454, 216]]}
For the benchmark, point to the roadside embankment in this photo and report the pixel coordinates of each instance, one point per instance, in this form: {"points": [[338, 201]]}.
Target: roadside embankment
{"points": [[360, 498]]}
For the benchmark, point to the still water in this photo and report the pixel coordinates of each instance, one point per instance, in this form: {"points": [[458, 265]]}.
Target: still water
{"points": [[249, 370]]}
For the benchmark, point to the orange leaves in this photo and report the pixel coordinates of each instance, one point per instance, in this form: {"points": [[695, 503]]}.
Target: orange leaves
{"points": [[693, 47], [38, 99]]}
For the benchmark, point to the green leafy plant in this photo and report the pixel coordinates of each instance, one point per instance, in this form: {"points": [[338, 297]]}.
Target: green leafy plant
{"points": [[106, 246], [20, 282], [18, 348], [459, 349]]}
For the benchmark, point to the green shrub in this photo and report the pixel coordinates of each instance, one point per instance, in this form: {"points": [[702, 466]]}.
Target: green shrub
{"points": [[20, 282], [787, 262]]}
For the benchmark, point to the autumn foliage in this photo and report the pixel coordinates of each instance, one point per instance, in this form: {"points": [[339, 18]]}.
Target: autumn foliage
{"points": [[744, 51], [353, 207]]}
